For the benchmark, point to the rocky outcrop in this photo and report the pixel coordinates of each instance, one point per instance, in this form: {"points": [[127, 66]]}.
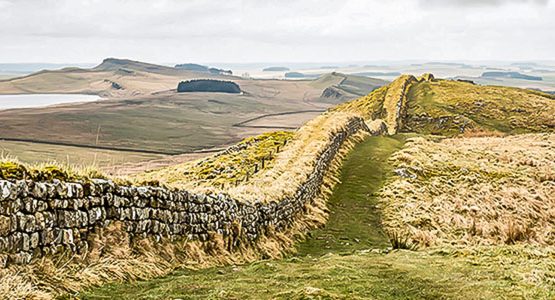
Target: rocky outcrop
{"points": [[332, 92]]}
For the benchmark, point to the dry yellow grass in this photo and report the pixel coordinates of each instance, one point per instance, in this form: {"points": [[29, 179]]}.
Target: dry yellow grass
{"points": [[111, 258], [474, 191], [467, 191], [449, 107]]}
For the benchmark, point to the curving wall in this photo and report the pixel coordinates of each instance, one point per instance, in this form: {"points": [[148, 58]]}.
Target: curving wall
{"points": [[42, 218]]}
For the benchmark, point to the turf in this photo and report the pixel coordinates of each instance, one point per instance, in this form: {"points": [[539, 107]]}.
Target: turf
{"points": [[326, 267], [354, 223], [449, 107]]}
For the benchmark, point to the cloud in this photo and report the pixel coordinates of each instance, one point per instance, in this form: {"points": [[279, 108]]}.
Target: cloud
{"points": [[286, 30], [479, 3]]}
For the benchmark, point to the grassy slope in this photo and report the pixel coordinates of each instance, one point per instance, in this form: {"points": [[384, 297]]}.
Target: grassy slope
{"points": [[222, 169], [474, 191], [341, 271], [463, 105]]}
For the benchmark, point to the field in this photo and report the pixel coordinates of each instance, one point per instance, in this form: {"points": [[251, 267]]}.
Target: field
{"points": [[351, 257], [458, 205], [173, 123], [146, 113], [40, 153]]}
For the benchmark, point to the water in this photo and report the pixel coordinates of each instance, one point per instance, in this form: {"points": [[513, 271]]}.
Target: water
{"points": [[41, 100]]}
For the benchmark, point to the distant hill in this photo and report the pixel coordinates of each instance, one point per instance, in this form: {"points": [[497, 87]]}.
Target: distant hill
{"points": [[208, 85], [347, 86], [448, 64], [192, 67], [294, 75], [115, 64], [113, 77], [201, 68], [378, 74], [515, 75], [275, 69]]}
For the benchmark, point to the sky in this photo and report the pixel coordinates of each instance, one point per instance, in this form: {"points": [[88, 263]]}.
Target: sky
{"points": [[161, 31]]}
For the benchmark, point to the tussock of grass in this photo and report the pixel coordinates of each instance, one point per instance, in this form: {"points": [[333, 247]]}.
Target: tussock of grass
{"points": [[474, 191], [13, 169]]}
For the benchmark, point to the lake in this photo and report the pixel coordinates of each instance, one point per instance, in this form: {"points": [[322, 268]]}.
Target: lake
{"points": [[41, 100]]}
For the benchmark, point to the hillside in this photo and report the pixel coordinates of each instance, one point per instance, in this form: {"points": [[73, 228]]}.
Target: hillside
{"points": [[144, 112], [116, 64], [446, 107], [465, 213], [344, 86], [112, 78]]}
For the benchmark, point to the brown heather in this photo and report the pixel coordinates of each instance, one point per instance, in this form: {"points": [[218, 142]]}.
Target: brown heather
{"points": [[474, 191]]}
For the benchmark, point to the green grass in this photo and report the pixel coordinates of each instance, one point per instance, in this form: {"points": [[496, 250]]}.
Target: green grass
{"points": [[491, 108], [327, 268], [398, 275], [224, 169], [355, 223]]}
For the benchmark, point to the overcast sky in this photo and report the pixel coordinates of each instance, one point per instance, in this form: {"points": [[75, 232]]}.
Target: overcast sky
{"points": [[276, 30]]}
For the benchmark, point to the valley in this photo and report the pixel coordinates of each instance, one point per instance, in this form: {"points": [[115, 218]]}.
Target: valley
{"points": [[141, 111]]}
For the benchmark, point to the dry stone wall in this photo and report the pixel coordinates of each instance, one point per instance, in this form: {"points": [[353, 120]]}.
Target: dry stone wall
{"points": [[42, 218]]}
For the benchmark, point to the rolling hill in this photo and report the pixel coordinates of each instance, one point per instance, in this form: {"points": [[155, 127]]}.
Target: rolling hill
{"points": [[142, 110], [453, 201], [341, 87]]}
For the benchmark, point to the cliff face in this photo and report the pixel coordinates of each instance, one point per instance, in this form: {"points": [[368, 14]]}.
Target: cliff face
{"points": [[332, 92], [208, 85]]}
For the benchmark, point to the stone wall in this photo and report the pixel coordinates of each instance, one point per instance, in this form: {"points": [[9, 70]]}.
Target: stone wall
{"points": [[395, 102], [43, 218]]}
